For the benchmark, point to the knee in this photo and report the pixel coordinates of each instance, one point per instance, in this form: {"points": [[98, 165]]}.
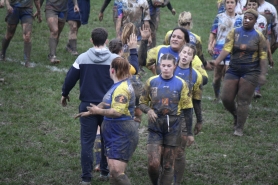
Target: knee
{"points": [[153, 165], [114, 172], [73, 28], [168, 168], [180, 154], [27, 38], [243, 102]]}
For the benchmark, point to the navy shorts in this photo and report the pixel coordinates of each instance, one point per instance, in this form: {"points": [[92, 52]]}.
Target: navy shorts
{"points": [[82, 15], [250, 72], [62, 16], [160, 133], [25, 15], [120, 138]]}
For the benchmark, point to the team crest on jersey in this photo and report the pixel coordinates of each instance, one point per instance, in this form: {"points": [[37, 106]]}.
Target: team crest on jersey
{"points": [[261, 25], [121, 99], [165, 101]]}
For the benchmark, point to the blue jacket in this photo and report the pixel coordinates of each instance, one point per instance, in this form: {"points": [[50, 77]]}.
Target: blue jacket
{"points": [[92, 70]]}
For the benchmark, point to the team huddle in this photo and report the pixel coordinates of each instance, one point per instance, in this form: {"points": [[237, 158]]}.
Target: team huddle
{"points": [[242, 39]]}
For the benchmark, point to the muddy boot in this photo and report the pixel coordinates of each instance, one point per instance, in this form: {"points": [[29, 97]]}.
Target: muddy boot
{"points": [[5, 44], [27, 53]]}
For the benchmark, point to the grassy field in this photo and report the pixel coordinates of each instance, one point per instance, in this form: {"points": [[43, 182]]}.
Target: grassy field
{"points": [[39, 139]]}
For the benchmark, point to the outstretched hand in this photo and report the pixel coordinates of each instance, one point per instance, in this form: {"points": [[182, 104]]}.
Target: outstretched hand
{"points": [[93, 109], [82, 114], [145, 32], [152, 115], [132, 41]]}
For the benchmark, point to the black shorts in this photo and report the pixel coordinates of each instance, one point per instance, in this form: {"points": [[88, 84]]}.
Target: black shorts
{"points": [[250, 72], [25, 15], [62, 16], [160, 133]]}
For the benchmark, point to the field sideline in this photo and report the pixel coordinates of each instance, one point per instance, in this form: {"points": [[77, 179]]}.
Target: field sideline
{"points": [[39, 139]]}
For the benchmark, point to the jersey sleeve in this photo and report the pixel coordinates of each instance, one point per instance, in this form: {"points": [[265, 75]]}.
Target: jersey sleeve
{"points": [[152, 56], [119, 5], [185, 100], [145, 97], [197, 88], [214, 27], [229, 42], [120, 99], [198, 65], [262, 47]]}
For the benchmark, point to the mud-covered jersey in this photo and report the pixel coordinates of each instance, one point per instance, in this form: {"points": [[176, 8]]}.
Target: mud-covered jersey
{"points": [[21, 3], [134, 11], [166, 96], [121, 98], [221, 26], [57, 5], [193, 80], [245, 46]]}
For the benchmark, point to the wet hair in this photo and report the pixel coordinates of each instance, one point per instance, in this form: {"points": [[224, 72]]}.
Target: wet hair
{"points": [[121, 67], [115, 46], [99, 36], [235, 1], [168, 56], [256, 1], [191, 46], [185, 32]]}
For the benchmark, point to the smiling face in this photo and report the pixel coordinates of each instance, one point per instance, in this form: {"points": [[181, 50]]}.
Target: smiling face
{"points": [[249, 21], [230, 6], [252, 5], [177, 40], [167, 68], [186, 56]]}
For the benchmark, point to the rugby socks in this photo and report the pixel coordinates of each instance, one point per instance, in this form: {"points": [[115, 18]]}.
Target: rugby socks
{"points": [[179, 166], [52, 46], [216, 89], [73, 44], [121, 179], [27, 53], [5, 44]]}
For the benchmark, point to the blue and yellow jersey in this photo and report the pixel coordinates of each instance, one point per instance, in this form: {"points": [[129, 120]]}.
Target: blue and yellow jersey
{"points": [[166, 96], [246, 46], [157, 52], [193, 80], [121, 98]]}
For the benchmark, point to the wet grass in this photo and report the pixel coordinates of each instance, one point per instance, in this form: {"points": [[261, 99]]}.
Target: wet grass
{"points": [[40, 139]]}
